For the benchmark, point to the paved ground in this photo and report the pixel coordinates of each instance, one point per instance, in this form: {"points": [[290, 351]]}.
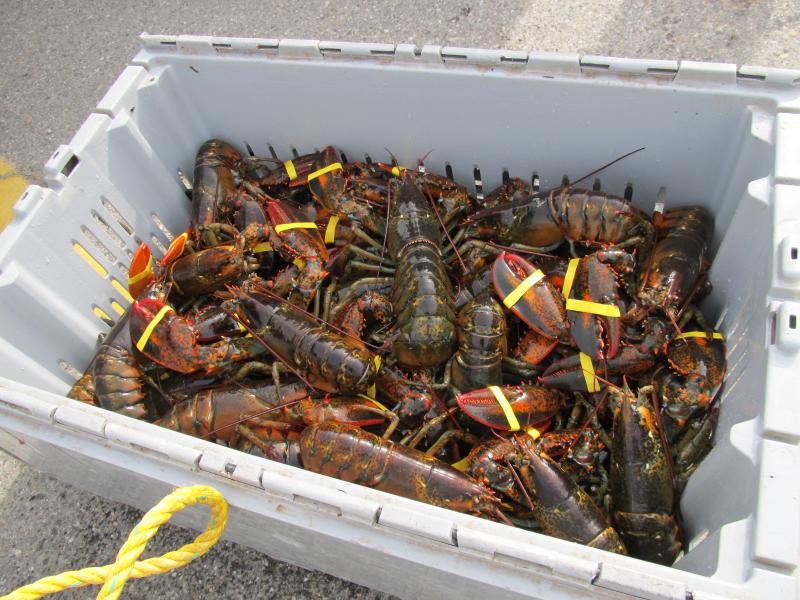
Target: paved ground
{"points": [[57, 59]]}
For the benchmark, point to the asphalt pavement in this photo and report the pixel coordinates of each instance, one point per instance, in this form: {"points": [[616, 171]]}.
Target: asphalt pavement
{"points": [[56, 61]]}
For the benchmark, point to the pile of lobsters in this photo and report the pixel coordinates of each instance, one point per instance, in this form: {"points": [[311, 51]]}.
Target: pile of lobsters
{"points": [[533, 356]]}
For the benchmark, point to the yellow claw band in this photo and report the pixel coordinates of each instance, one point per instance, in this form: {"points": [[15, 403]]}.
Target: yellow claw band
{"points": [[592, 384], [699, 334], [142, 274], [462, 465], [397, 170], [300, 225], [513, 423], [534, 433], [334, 167], [526, 284], [372, 391], [569, 277], [262, 247], [330, 230], [595, 308], [148, 331], [299, 263], [290, 170]]}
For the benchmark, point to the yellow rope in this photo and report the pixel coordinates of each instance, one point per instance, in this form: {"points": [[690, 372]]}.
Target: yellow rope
{"points": [[113, 577]]}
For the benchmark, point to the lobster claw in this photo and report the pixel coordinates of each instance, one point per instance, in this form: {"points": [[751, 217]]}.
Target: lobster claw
{"points": [[140, 272], [562, 508], [161, 335], [287, 221], [326, 182], [539, 305], [594, 329], [533, 348], [175, 250], [570, 374], [511, 408]]}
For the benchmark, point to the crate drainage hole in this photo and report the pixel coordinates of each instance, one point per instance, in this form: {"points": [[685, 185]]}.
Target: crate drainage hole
{"points": [[108, 229], [68, 168], [117, 307], [112, 210], [157, 243], [104, 250], [793, 253], [102, 315], [792, 322], [89, 260], [161, 227], [121, 289]]}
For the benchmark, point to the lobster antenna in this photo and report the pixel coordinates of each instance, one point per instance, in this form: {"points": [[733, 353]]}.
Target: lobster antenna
{"points": [[522, 250], [446, 233], [443, 406], [605, 166], [593, 412], [519, 483], [264, 343], [673, 321], [272, 294], [248, 417]]}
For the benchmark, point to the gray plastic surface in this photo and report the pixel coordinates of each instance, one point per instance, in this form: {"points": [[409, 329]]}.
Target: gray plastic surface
{"points": [[715, 135]]}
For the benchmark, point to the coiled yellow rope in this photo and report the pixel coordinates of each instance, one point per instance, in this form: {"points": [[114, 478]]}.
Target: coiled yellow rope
{"points": [[113, 577]]}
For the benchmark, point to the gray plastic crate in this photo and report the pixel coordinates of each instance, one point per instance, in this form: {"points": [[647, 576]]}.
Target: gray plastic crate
{"points": [[716, 135]]}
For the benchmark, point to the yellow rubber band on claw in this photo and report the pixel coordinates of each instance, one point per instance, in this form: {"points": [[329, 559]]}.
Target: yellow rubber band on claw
{"points": [[526, 284], [462, 465], [372, 391], [262, 247], [330, 230], [397, 170], [299, 225], [142, 274], [290, 170], [587, 367], [534, 433], [569, 277], [595, 308], [334, 167], [513, 423], [148, 331], [699, 334]]}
